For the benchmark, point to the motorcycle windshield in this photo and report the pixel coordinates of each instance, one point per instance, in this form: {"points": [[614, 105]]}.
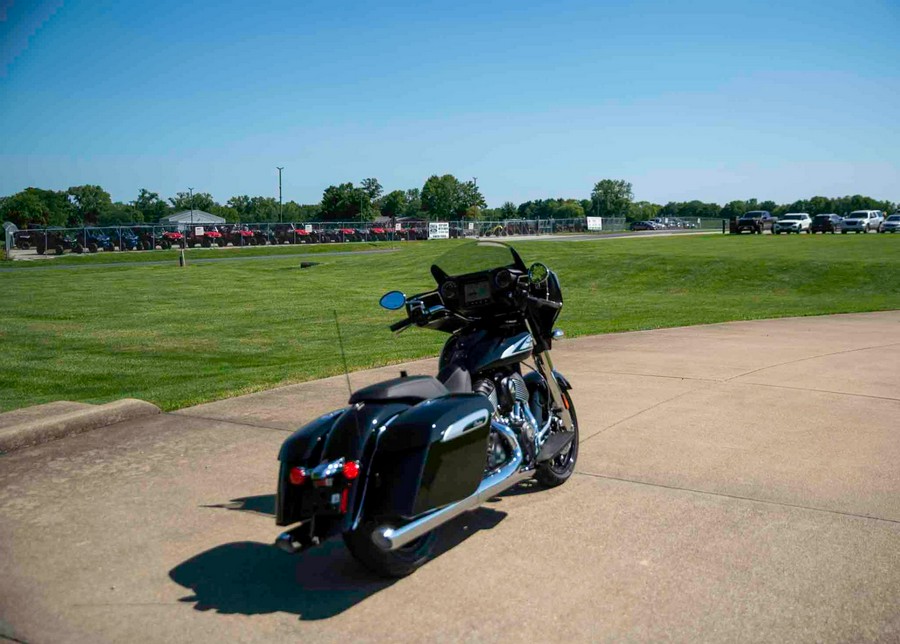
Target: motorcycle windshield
{"points": [[474, 257]]}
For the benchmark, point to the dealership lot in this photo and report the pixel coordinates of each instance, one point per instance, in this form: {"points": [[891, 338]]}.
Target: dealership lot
{"points": [[737, 482]]}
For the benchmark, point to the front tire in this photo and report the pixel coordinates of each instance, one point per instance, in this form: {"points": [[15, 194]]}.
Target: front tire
{"points": [[557, 470], [391, 563]]}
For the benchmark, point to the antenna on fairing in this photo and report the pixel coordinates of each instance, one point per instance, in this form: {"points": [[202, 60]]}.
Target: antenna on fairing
{"points": [[343, 355]]}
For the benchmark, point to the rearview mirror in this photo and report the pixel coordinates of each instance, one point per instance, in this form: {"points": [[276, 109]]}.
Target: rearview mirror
{"points": [[538, 274], [393, 300]]}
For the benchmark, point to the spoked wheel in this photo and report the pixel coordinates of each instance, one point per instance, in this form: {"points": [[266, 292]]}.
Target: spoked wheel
{"points": [[557, 470], [390, 563]]}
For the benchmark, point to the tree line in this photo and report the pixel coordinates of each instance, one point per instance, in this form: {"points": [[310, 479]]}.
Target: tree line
{"points": [[441, 198]]}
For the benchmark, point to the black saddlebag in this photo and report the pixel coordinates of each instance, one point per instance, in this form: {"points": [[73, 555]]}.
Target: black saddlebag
{"points": [[431, 455]]}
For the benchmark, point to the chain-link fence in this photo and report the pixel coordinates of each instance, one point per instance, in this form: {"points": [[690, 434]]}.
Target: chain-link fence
{"points": [[92, 239]]}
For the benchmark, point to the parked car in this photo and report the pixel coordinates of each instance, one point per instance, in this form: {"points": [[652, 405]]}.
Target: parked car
{"points": [[793, 222], [891, 224], [755, 221], [828, 223], [642, 225], [56, 239], [862, 221]]}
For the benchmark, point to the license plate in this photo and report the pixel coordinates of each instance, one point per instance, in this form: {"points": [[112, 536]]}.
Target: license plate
{"points": [[323, 482]]}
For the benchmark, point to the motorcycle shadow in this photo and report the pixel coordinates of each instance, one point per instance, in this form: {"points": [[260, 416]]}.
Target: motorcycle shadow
{"points": [[251, 578]]}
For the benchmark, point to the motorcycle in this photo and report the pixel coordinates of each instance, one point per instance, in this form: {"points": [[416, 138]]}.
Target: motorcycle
{"points": [[411, 453]]}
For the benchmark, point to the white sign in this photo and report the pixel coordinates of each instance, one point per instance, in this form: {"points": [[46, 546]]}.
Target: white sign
{"points": [[471, 226], [307, 227], [438, 230], [198, 231], [398, 226], [595, 223]]}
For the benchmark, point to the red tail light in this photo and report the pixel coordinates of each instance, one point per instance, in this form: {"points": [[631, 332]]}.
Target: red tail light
{"points": [[298, 476], [351, 470]]}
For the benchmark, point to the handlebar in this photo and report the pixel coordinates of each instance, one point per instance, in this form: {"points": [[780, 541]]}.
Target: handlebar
{"points": [[402, 324], [543, 302]]}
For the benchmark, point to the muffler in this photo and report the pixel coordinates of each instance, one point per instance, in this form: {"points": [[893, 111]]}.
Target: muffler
{"points": [[390, 538]]}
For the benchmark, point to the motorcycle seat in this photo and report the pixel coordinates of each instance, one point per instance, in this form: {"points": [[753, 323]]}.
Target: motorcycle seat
{"points": [[411, 389]]}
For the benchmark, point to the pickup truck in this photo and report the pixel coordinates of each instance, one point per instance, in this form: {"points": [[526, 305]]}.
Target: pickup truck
{"points": [[755, 221]]}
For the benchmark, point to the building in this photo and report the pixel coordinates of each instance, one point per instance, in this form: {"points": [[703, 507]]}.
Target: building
{"points": [[185, 218]]}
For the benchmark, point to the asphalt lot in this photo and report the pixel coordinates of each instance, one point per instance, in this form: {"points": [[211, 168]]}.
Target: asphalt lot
{"points": [[736, 482]]}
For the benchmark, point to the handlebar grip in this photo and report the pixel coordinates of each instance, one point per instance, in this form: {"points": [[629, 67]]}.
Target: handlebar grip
{"points": [[402, 324], [543, 302]]}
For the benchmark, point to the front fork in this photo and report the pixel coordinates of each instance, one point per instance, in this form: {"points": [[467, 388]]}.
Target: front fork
{"points": [[544, 364]]}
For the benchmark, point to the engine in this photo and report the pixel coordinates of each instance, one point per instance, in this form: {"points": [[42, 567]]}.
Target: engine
{"points": [[509, 398]]}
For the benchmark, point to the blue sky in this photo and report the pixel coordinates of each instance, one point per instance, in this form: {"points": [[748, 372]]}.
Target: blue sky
{"points": [[686, 100]]}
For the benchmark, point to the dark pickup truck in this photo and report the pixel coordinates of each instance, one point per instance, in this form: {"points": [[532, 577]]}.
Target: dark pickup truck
{"points": [[755, 221]]}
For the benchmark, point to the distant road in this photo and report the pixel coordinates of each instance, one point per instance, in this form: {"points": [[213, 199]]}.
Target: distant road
{"points": [[49, 264]]}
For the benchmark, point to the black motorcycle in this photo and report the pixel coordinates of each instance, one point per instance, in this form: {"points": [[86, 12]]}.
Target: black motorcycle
{"points": [[409, 454]]}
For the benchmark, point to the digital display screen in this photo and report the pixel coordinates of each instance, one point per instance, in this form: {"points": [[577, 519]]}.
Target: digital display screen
{"points": [[478, 292]]}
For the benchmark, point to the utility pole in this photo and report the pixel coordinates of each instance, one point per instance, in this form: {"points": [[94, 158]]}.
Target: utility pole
{"points": [[280, 205], [192, 208]]}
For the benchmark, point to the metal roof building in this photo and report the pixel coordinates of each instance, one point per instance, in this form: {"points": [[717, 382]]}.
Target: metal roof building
{"points": [[198, 217]]}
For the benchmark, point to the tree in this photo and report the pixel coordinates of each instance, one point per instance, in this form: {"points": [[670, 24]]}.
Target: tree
{"points": [[200, 201], [346, 203], [446, 197], [119, 214], [440, 196], [91, 203], [643, 210], [393, 204], [151, 207], [24, 208], [508, 210], [734, 209], [610, 198], [372, 188], [413, 203]]}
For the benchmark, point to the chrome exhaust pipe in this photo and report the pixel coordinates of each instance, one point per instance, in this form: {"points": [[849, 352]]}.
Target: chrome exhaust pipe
{"points": [[390, 538]]}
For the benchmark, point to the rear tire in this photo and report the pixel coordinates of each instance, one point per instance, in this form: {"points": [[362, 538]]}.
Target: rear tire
{"points": [[557, 471], [392, 563]]}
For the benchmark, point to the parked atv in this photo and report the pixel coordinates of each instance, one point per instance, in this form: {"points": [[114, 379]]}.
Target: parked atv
{"points": [[378, 234], [92, 240], [127, 240], [209, 236], [240, 236], [264, 236], [24, 239], [171, 239], [54, 239]]}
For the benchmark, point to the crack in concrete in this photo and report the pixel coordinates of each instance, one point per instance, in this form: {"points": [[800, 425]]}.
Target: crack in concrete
{"points": [[822, 355], [738, 497], [230, 422]]}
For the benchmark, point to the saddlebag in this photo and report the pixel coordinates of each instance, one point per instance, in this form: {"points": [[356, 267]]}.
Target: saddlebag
{"points": [[431, 455]]}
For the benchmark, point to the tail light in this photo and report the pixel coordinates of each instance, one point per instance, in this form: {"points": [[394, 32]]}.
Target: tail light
{"points": [[351, 470], [298, 476]]}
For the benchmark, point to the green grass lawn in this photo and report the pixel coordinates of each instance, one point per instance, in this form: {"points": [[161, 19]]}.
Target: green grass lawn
{"points": [[180, 336]]}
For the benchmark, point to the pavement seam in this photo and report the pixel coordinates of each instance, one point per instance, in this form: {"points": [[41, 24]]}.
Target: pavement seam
{"points": [[623, 420], [230, 422], [822, 355], [821, 391], [656, 375], [737, 497]]}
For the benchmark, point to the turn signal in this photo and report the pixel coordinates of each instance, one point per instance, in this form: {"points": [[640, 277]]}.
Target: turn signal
{"points": [[351, 470], [298, 476]]}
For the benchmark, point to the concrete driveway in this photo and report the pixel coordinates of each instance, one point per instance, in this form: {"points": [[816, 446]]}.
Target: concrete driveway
{"points": [[736, 482]]}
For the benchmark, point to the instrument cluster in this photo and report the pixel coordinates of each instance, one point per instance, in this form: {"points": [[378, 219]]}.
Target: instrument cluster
{"points": [[477, 290]]}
